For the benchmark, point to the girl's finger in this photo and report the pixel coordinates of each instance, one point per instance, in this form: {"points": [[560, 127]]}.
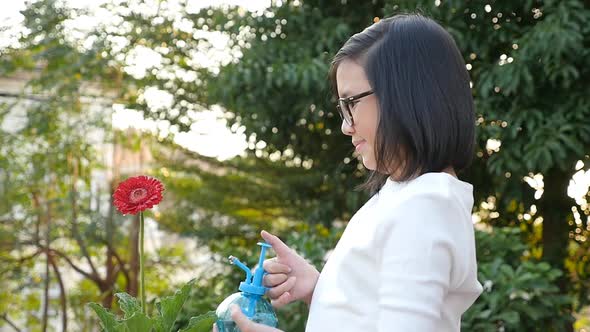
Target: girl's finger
{"points": [[282, 300], [275, 292], [273, 280], [272, 266]]}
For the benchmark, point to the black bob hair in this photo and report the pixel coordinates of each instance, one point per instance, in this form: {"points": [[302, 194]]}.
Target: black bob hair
{"points": [[426, 111]]}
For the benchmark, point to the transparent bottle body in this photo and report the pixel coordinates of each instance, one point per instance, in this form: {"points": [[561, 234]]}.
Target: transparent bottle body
{"points": [[263, 311]]}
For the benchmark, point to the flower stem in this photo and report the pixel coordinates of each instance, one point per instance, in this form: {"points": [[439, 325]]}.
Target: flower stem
{"points": [[141, 269]]}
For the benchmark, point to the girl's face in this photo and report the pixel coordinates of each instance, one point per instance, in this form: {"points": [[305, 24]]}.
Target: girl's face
{"points": [[351, 80]]}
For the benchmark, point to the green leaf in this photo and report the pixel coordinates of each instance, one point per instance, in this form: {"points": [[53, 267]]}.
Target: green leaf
{"points": [[139, 322], [171, 305], [484, 314], [108, 321], [128, 304], [201, 323], [510, 317]]}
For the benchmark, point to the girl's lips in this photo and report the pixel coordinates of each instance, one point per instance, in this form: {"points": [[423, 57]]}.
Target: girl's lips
{"points": [[359, 146]]}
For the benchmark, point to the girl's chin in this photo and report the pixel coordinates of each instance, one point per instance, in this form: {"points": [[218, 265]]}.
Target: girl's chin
{"points": [[369, 163]]}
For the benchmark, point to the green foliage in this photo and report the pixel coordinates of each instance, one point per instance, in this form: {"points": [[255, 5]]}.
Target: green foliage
{"points": [[202, 323], [128, 304], [279, 92], [207, 295], [519, 294], [537, 93], [108, 320], [134, 320], [171, 305], [532, 100], [537, 105]]}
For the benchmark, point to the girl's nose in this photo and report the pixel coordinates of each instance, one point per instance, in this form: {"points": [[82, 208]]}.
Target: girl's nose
{"points": [[346, 128]]}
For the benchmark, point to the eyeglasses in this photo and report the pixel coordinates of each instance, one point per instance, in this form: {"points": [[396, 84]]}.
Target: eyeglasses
{"points": [[345, 105]]}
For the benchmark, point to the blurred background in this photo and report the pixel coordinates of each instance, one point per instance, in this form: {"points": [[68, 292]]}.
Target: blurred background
{"points": [[228, 103]]}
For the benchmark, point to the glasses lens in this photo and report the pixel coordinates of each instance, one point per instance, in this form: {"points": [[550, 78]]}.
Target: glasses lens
{"points": [[344, 112]]}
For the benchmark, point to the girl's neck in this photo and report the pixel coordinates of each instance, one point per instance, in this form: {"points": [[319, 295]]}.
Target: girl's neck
{"points": [[449, 170]]}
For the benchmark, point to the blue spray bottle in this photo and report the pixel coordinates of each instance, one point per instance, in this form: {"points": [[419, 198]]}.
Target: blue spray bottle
{"points": [[249, 299]]}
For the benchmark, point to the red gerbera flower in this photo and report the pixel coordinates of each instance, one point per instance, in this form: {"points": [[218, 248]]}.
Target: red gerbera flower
{"points": [[137, 194]]}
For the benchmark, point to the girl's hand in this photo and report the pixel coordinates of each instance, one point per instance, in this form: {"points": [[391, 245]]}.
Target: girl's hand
{"points": [[244, 324], [290, 277]]}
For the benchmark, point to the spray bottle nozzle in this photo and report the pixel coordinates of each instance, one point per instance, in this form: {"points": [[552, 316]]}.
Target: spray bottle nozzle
{"points": [[235, 261], [252, 285]]}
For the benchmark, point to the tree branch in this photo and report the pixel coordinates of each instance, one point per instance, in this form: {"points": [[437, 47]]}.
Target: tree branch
{"points": [[18, 261], [37, 206], [48, 220], [75, 231], [88, 275], [24, 258], [123, 269], [9, 322], [46, 293], [62, 295]]}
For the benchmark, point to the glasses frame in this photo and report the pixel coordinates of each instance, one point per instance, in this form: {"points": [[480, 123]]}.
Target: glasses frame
{"points": [[343, 105]]}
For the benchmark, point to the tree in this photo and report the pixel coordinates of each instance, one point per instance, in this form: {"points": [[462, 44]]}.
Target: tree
{"points": [[528, 62], [50, 209]]}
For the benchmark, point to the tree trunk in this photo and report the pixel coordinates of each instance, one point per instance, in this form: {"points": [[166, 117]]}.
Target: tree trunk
{"points": [[555, 207], [107, 300]]}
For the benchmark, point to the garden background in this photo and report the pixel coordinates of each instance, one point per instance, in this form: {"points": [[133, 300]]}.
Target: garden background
{"points": [[228, 104]]}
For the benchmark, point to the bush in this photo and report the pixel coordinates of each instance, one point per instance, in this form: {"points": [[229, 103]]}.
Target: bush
{"points": [[519, 295]]}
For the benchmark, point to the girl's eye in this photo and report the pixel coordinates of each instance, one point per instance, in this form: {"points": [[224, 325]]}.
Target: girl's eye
{"points": [[353, 104]]}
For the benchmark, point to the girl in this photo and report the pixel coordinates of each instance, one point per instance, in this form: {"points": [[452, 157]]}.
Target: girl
{"points": [[406, 261]]}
